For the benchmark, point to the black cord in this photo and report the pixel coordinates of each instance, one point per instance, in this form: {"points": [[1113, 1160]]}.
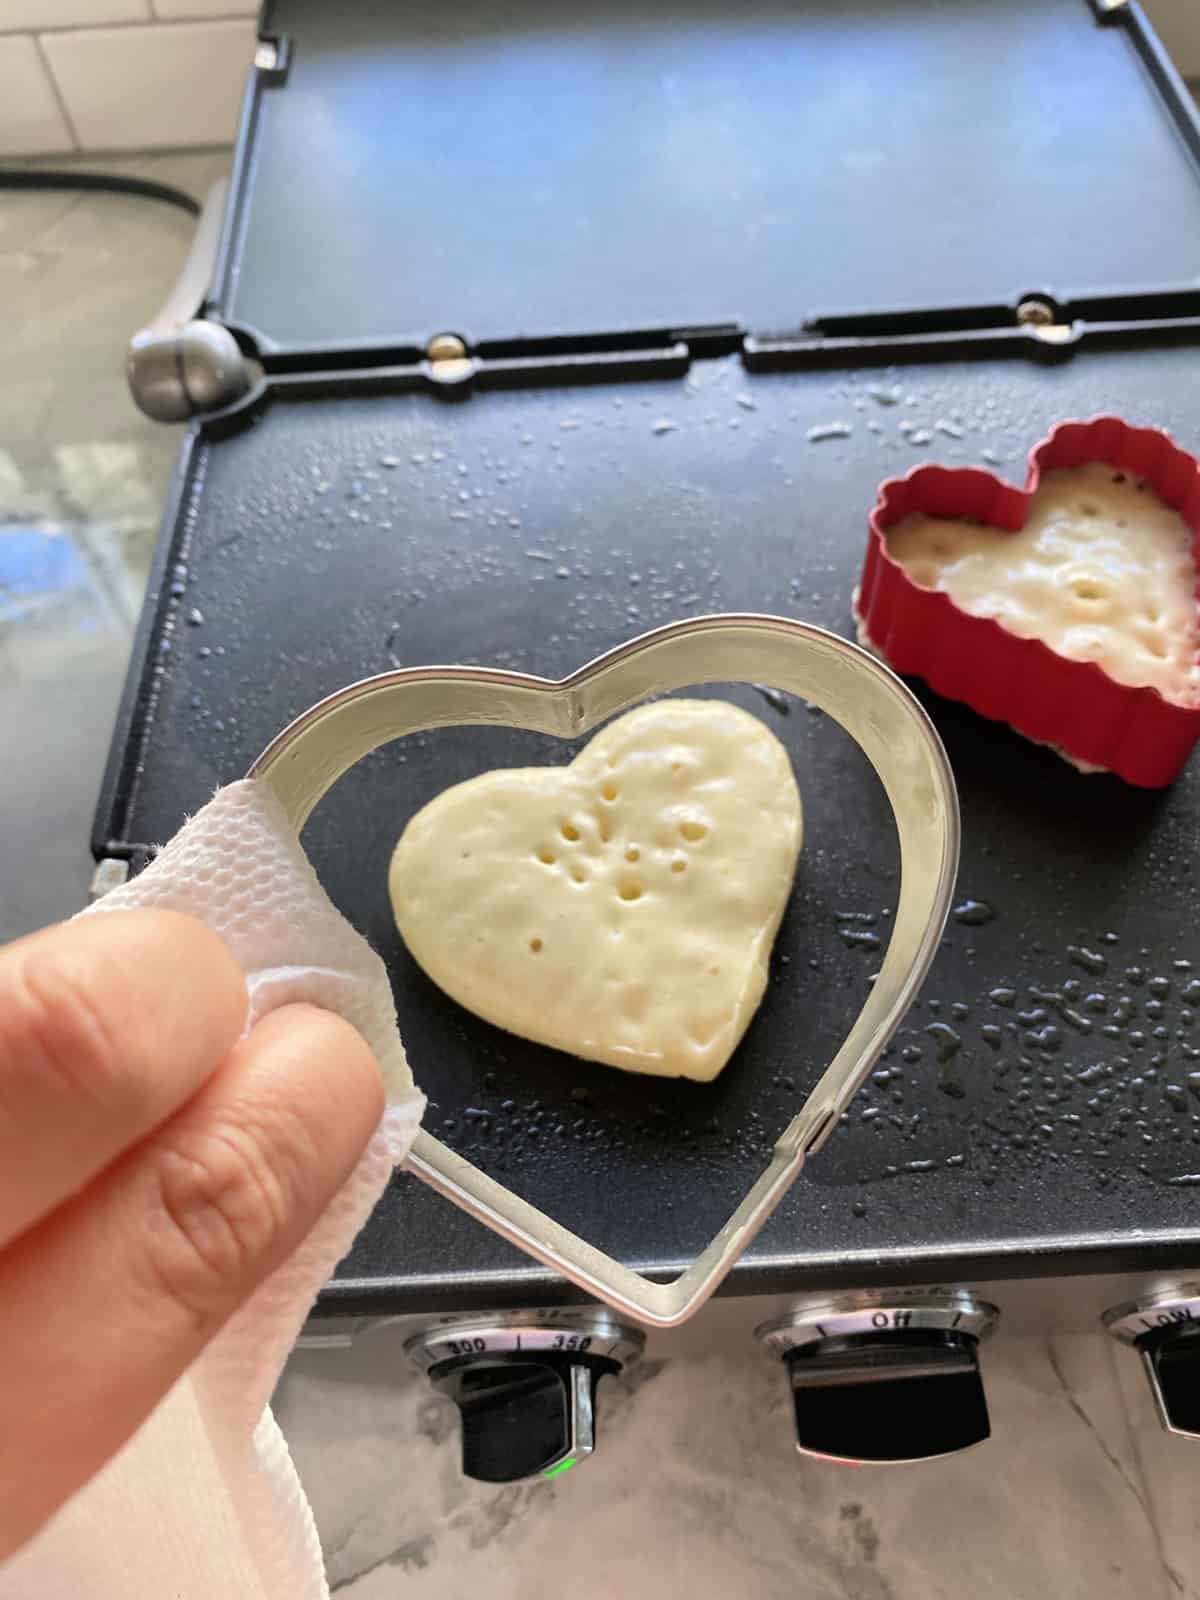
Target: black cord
{"points": [[110, 182]]}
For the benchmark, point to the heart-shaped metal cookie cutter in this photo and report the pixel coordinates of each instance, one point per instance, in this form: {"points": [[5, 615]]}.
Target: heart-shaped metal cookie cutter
{"points": [[864, 696]]}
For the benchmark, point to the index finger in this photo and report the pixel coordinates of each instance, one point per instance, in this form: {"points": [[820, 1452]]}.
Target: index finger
{"points": [[107, 1025]]}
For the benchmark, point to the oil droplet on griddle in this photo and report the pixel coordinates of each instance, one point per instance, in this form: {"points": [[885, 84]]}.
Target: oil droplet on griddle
{"points": [[1089, 960], [973, 913]]}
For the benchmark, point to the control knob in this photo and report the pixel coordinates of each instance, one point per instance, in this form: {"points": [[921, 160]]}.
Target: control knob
{"points": [[893, 1379], [1165, 1330], [525, 1386]]}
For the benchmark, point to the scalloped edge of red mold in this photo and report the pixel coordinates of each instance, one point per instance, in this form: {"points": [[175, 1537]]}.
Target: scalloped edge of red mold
{"points": [[1072, 705]]}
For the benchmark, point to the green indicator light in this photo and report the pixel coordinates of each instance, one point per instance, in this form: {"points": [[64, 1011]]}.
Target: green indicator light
{"points": [[561, 1467]]}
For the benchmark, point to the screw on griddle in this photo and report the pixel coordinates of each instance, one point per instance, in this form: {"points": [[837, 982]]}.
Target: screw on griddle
{"points": [[1040, 317], [448, 360], [1033, 313]]}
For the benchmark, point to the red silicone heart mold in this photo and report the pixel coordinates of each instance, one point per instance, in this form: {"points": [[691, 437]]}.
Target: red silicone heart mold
{"points": [[1074, 705]]}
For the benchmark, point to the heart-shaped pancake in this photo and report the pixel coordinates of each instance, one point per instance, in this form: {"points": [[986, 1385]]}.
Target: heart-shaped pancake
{"points": [[1100, 570], [622, 907], [1067, 608]]}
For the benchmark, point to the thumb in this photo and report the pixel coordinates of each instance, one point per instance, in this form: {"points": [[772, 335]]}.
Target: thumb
{"points": [[164, 1245]]}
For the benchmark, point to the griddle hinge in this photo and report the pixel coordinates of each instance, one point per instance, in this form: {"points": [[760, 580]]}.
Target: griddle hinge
{"points": [[452, 362], [1037, 323]]}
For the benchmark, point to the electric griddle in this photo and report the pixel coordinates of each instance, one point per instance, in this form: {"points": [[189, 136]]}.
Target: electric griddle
{"points": [[556, 328]]}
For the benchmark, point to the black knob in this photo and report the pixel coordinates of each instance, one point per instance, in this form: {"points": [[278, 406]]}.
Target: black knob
{"points": [[1165, 1330], [523, 1415], [1172, 1358], [898, 1395]]}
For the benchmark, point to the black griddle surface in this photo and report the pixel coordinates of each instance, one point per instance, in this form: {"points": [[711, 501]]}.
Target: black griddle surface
{"points": [[529, 169], [335, 537]]}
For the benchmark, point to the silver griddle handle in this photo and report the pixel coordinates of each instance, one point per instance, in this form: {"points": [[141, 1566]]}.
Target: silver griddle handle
{"points": [[179, 364]]}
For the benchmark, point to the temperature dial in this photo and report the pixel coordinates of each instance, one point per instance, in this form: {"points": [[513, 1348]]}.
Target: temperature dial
{"points": [[1165, 1330], [525, 1386], [889, 1380]]}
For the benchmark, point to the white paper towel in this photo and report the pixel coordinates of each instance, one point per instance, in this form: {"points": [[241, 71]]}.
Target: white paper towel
{"points": [[204, 1503]]}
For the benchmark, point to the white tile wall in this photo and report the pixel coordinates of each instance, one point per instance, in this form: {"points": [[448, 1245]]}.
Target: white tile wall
{"points": [[41, 14], [203, 8], [141, 87], [31, 118]]}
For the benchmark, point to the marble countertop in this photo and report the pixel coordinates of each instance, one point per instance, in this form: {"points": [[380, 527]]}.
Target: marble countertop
{"points": [[696, 1490]]}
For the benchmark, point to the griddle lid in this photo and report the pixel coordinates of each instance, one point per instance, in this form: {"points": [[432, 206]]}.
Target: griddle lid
{"points": [[529, 171]]}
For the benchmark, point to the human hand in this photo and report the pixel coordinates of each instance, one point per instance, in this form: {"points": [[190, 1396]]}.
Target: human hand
{"points": [[154, 1169]]}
